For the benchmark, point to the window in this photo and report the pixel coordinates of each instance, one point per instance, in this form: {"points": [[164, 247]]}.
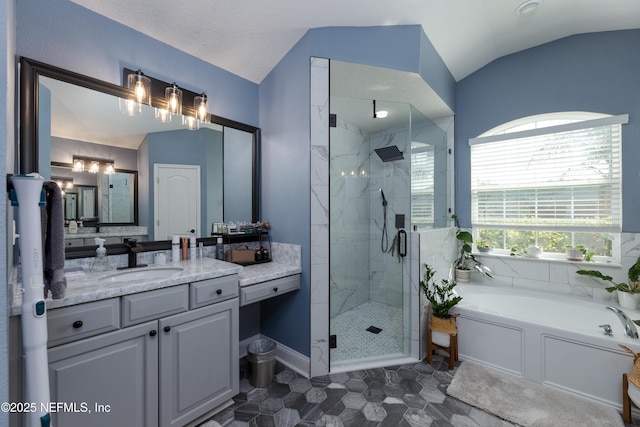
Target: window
{"points": [[422, 186], [551, 180]]}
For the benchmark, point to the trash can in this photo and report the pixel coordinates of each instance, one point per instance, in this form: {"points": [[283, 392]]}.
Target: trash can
{"points": [[261, 355]]}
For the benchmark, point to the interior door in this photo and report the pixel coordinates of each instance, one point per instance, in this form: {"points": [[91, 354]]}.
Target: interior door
{"points": [[176, 200]]}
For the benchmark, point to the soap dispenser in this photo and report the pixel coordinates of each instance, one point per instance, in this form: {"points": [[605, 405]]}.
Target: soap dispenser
{"points": [[101, 263]]}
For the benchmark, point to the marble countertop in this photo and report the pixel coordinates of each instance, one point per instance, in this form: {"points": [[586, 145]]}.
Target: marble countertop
{"points": [[258, 273], [85, 287], [107, 231]]}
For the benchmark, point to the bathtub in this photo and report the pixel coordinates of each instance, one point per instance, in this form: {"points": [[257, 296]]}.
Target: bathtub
{"points": [[546, 338]]}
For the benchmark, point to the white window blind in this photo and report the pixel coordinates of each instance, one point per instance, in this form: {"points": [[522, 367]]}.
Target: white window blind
{"points": [[565, 177], [422, 169]]}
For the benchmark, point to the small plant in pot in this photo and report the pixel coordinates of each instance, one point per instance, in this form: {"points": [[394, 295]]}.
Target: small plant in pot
{"points": [[483, 246], [442, 298], [628, 293], [466, 261]]}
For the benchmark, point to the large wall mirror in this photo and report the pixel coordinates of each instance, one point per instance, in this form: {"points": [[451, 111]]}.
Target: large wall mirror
{"points": [[66, 116]]}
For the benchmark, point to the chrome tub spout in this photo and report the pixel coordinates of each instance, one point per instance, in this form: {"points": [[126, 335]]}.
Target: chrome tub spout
{"points": [[629, 327]]}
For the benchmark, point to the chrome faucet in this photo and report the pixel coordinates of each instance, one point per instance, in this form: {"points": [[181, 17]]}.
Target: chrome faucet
{"points": [[629, 327], [132, 251]]}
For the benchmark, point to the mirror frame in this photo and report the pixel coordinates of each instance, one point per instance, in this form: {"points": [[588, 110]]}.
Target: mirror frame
{"points": [[28, 150]]}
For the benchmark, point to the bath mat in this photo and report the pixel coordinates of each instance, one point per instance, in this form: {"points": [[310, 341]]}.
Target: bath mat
{"points": [[374, 330], [526, 403]]}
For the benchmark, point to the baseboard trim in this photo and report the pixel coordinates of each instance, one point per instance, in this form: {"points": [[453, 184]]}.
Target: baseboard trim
{"points": [[290, 358]]}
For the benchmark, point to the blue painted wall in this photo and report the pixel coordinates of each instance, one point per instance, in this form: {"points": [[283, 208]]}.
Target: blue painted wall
{"points": [[597, 72], [64, 34], [284, 118], [7, 138]]}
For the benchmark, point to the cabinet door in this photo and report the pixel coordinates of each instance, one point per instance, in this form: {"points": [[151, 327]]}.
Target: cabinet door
{"points": [[118, 370], [198, 361]]}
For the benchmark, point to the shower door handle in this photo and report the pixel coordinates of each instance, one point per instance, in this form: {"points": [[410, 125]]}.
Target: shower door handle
{"points": [[402, 243]]}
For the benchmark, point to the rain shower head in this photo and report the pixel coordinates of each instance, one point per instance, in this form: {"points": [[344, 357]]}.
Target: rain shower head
{"points": [[389, 154]]}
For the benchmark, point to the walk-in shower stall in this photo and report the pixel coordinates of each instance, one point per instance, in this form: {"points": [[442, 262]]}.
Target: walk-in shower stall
{"points": [[384, 175]]}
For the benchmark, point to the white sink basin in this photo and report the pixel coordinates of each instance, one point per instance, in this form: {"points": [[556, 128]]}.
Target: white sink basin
{"points": [[141, 274]]}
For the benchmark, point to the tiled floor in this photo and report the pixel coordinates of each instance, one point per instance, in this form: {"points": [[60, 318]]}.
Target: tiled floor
{"points": [[408, 395], [356, 344]]}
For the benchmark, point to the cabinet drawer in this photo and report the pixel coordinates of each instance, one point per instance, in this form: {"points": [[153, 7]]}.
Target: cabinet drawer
{"points": [[145, 306], [76, 322], [70, 243], [258, 292], [209, 291]]}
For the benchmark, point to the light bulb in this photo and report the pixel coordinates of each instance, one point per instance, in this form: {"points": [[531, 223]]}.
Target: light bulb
{"points": [[140, 91], [94, 168]]}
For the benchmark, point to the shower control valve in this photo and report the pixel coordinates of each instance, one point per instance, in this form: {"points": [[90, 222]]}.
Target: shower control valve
{"points": [[607, 329]]}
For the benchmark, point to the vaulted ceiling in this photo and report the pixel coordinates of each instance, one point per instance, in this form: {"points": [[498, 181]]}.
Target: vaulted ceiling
{"points": [[249, 37]]}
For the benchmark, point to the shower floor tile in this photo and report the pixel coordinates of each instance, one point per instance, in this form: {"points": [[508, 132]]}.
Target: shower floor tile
{"points": [[355, 343]]}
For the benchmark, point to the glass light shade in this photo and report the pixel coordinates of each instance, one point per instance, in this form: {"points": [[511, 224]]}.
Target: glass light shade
{"points": [[129, 107], [78, 165], [94, 167], [140, 86], [163, 115], [173, 96], [109, 169], [201, 109], [191, 122]]}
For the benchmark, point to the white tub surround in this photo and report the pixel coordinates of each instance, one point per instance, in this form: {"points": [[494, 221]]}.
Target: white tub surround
{"points": [[550, 339]]}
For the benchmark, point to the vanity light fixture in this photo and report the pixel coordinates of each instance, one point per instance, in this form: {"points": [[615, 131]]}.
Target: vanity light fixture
{"points": [[201, 109], [95, 165], [163, 115], [78, 165], [140, 86], [379, 114], [173, 96], [191, 122]]}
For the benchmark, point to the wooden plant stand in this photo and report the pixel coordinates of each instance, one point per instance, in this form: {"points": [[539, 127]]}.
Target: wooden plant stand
{"points": [[447, 326], [627, 403]]}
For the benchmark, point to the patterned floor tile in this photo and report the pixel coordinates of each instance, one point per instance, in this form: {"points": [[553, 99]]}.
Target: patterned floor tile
{"points": [[397, 396]]}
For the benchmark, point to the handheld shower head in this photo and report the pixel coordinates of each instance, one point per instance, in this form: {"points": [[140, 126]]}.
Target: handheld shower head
{"points": [[384, 199]]}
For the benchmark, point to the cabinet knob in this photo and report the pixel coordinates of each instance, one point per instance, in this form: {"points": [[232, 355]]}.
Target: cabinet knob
{"points": [[167, 328], [219, 292], [275, 289], [153, 333], [77, 324]]}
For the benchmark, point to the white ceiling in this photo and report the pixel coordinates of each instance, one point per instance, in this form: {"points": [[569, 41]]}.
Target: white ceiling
{"points": [[249, 37]]}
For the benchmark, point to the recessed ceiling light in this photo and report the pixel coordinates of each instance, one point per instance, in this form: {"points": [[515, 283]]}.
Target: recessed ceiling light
{"points": [[528, 7], [381, 114]]}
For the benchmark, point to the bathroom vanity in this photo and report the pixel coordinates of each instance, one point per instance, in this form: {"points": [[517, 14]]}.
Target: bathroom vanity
{"points": [[158, 351]]}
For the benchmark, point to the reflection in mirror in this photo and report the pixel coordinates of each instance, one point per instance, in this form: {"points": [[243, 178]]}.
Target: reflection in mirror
{"points": [[103, 198], [78, 115]]}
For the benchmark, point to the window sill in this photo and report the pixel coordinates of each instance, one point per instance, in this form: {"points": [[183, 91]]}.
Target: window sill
{"points": [[611, 263]]}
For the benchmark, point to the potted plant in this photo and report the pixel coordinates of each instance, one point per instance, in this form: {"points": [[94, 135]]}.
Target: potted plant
{"points": [[466, 261], [578, 253], [628, 293], [483, 246], [442, 298]]}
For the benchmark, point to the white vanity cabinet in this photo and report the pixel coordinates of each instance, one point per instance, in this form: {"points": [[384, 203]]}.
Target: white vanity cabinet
{"points": [[269, 289], [198, 362], [171, 356], [113, 376]]}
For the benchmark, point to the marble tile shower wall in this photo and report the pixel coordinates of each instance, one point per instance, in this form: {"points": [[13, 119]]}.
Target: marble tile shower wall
{"points": [[116, 198], [349, 218], [394, 178]]}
